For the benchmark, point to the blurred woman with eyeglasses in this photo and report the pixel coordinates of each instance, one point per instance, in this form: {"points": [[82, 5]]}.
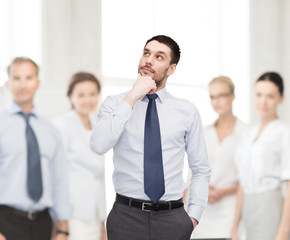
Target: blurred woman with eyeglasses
{"points": [[222, 138]]}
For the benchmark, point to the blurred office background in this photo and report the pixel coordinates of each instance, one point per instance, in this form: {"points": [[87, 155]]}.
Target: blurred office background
{"points": [[238, 38]]}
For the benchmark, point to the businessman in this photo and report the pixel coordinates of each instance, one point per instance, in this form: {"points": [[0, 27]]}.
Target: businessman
{"points": [[150, 132], [33, 183]]}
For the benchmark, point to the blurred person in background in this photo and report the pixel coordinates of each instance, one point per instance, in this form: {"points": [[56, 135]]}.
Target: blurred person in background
{"points": [[86, 169], [222, 138], [33, 180], [263, 163]]}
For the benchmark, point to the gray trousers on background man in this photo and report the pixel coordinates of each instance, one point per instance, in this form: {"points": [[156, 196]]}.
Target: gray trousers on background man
{"points": [[130, 223]]}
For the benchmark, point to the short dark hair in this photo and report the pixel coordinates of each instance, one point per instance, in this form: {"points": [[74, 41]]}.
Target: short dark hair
{"points": [[175, 50], [274, 78], [18, 60], [82, 77]]}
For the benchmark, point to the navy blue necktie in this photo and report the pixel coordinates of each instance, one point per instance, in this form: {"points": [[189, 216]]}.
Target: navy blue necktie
{"points": [[153, 166], [34, 178]]}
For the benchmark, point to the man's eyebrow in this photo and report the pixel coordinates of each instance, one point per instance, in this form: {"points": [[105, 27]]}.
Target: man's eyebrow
{"points": [[159, 52]]}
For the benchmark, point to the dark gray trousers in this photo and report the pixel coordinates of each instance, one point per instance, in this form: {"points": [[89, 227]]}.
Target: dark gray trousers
{"points": [[15, 227], [129, 223]]}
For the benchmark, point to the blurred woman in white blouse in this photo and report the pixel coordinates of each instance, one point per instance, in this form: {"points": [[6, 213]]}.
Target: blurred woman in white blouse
{"points": [[263, 162], [222, 138], [86, 169]]}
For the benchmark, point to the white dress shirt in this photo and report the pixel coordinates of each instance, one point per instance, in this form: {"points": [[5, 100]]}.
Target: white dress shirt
{"points": [[13, 164], [121, 127], [218, 217], [264, 163], [86, 169]]}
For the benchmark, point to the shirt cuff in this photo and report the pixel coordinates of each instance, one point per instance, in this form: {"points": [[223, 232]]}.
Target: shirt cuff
{"points": [[195, 211], [61, 213]]}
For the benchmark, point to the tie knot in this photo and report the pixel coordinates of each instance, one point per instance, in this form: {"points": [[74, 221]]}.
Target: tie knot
{"points": [[25, 116], [152, 97]]}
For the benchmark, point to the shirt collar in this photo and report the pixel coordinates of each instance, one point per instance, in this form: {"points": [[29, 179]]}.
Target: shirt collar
{"points": [[162, 94], [14, 108]]}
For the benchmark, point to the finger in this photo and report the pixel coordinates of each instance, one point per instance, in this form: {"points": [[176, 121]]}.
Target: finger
{"points": [[150, 92]]}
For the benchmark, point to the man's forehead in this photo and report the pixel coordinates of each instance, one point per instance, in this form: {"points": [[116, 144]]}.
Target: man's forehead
{"points": [[26, 68], [155, 46], [23, 65]]}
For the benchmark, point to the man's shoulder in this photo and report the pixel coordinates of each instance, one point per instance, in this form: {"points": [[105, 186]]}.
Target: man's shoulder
{"points": [[5, 116], [180, 102], [3, 113], [114, 100], [117, 97], [47, 126]]}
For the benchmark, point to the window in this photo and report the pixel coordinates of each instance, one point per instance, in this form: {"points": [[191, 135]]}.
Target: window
{"points": [[20, 30]]}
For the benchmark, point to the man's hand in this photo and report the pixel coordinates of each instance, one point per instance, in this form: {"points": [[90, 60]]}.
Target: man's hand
{"points": [[62, 226], [142, 86], [2, 237], [103, 232], [60, 237], [194, 222]]}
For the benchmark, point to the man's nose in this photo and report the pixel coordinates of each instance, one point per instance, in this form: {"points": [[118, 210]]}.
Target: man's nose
{"points": [[149, 61], [23, 83]]}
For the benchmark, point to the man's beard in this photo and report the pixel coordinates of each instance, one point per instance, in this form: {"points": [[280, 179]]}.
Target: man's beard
{"points": [[158, 78]]}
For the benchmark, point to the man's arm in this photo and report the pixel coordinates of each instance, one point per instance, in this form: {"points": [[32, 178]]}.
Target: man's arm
{"points": [[61, 230], [113, 115], [200, 169], [2, 237], [61, 209]]}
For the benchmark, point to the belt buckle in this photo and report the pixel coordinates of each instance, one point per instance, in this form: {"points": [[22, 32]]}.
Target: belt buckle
{"points": [[144, 204], [31, 215]]}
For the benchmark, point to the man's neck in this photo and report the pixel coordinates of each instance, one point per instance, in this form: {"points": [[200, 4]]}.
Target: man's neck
{"points": [[25, 107]]}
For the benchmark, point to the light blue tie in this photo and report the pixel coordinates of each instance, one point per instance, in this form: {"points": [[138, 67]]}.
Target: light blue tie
{"points": [[34, 176], [153, 166]]}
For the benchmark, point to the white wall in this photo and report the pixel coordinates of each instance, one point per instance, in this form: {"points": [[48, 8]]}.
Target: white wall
{"points": [[71, 42], [269, 45]]}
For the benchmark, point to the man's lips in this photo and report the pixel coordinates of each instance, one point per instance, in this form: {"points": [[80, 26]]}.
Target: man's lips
{"points": [[147, 69]]}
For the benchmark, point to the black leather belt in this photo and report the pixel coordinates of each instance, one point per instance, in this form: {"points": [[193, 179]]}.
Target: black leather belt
{"points": [[30, 215], [147, 205]]}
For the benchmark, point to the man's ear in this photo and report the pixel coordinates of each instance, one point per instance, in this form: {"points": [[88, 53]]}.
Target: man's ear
{"points": [[171, 69], [38, 83], [7, 85]]}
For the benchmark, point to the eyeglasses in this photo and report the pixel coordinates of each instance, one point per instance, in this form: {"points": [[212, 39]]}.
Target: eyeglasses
{"points": [[223, 95]]}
